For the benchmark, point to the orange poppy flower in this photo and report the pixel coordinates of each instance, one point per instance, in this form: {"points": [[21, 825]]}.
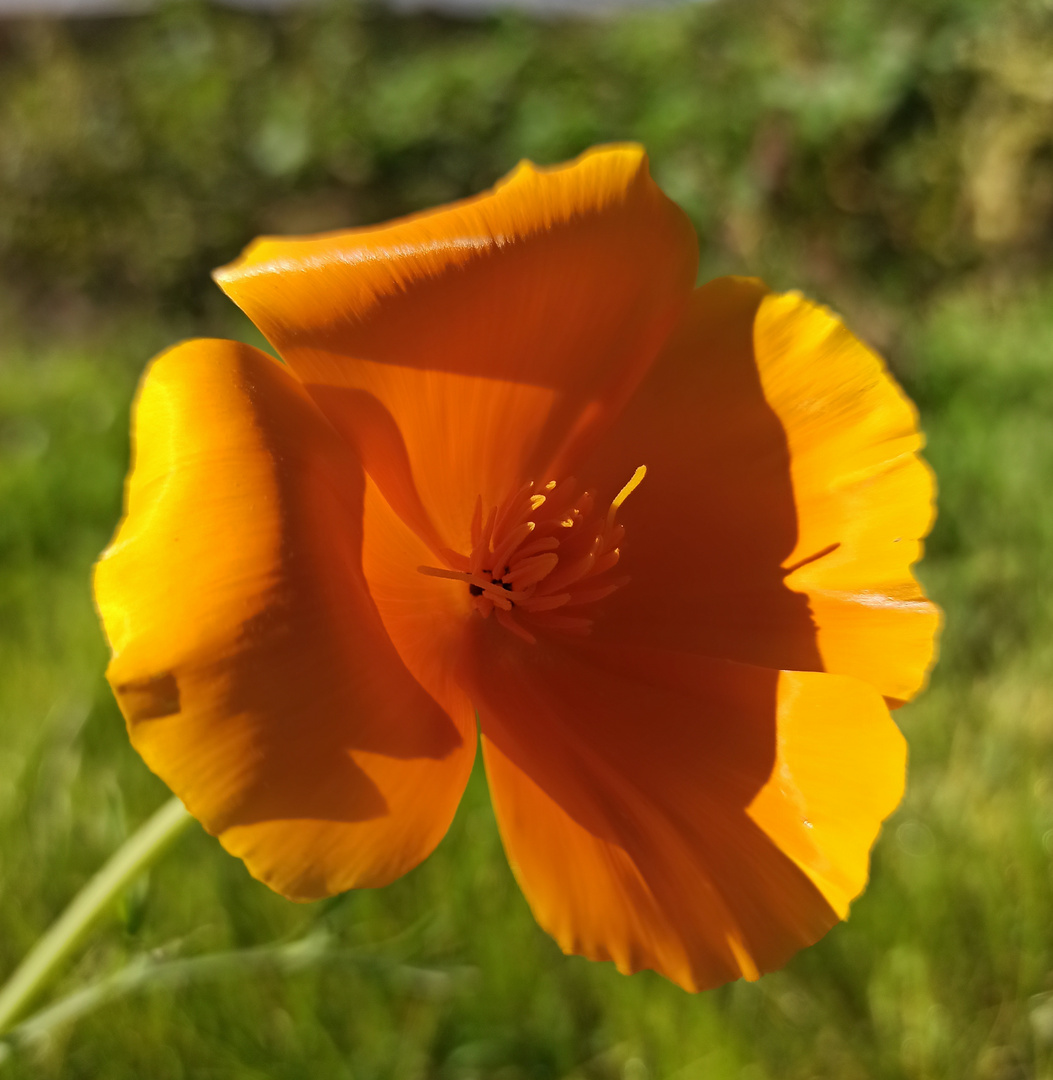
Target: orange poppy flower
{"points": [[431, 515]]}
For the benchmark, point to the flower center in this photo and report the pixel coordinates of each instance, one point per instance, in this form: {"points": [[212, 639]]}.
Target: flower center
{"points": [[540, 557]]}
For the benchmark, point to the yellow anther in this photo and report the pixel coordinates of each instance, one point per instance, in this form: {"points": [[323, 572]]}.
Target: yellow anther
{"points": [[634, 482]]}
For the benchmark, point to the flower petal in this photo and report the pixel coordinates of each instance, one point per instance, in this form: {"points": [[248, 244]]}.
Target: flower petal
{"points": [[425, 617], [248, 657], [773, 439], [485, 330], [865, 499], [702, 818]]}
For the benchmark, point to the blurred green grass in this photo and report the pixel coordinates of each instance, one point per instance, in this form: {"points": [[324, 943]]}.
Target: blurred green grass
{"points": [[851, 151]]}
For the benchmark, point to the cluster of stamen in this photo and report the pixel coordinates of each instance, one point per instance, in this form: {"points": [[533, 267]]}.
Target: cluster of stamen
{"points": [[541, 557]]}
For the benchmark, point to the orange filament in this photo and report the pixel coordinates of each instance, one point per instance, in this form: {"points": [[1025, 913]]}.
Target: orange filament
{"points": [[542, 550]]}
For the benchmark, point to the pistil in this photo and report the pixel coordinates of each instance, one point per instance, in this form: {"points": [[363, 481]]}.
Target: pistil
{"points": [[543, 549]]}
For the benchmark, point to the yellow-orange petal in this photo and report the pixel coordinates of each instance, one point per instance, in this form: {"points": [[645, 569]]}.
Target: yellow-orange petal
{"points": [[864, 497], [248, 657], [698, 817], [773, 439], [486, 330], [424, 616]]}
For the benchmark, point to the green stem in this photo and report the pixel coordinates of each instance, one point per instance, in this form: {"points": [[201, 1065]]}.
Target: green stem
{"points": [[134, 856]]}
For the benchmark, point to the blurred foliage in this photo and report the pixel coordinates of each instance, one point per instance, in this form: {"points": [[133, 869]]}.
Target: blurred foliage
{"points": [[898, 141]]}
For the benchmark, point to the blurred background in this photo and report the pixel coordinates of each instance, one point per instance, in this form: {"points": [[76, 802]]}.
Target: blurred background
{"points": [[892, 158]]}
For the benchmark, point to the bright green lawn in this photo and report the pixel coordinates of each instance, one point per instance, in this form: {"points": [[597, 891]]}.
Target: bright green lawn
{"points": [[945, 969]]}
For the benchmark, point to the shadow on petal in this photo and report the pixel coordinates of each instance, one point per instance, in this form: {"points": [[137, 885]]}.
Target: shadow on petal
{"points": [[623, 783], [709, 530], [249, 657]]}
